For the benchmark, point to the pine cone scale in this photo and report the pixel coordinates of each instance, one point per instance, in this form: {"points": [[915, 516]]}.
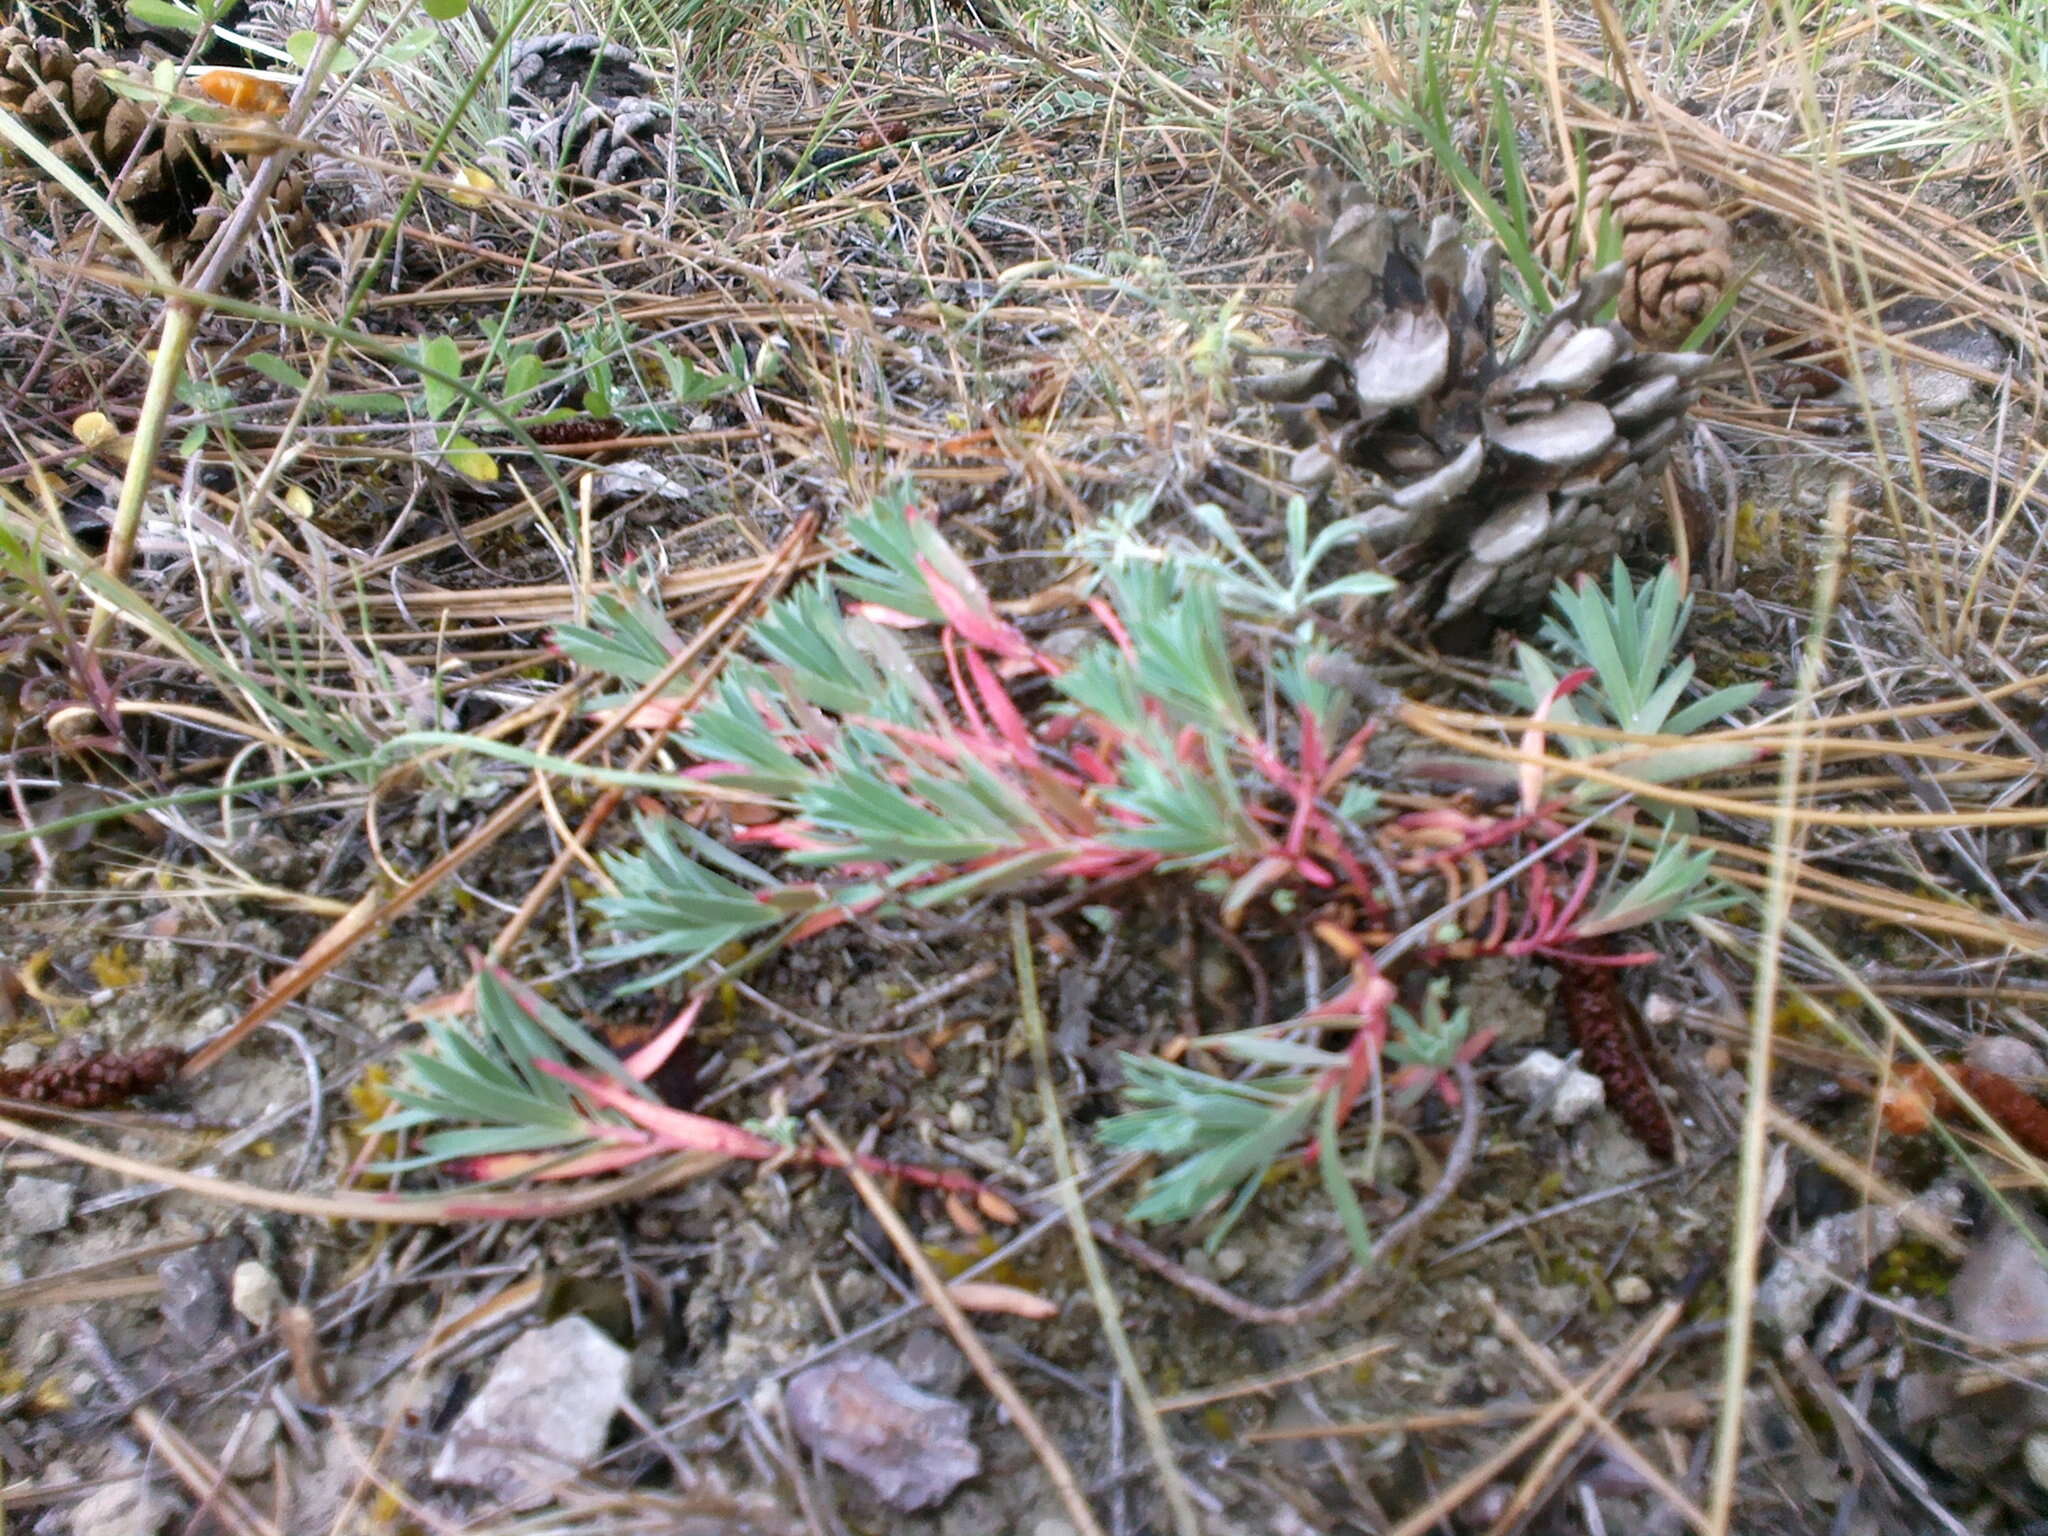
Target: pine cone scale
{"points": [[1496, 477]]}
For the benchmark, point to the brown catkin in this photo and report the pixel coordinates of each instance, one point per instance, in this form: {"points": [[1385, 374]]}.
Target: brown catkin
{"points": [[1597, 1013], [98, 1081], [578, 433], [2024, 1117]]}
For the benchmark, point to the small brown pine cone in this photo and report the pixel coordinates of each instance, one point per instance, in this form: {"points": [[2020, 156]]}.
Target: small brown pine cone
{"points": [[98, 1081], [1674, 247], [178, 185]]}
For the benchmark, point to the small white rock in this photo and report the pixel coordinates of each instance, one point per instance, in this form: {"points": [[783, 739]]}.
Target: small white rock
{"points": [[126, 1508], [2036, 1455], [1632, 1290], [1833, 1248], [255, 1293], [2007, 1055], [252, 1452], [1554, 1087], [38, 1205], [542, 1415]]}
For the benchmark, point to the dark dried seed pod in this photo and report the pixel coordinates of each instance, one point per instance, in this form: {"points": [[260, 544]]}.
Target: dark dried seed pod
{"points": [[579, 433], [98, 1081], [1602, 1030]]}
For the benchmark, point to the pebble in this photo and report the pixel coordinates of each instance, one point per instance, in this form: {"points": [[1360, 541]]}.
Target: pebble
{"points": [[255, 1293], [2035, 1453], [2000, 1295], [2007, 1055], [21, 1055], [1632, 1290], [858, 1412], [1792, 1292], [1563, 1093], [39, 1205], [130, 1507], [252, 1452], [194, 1300], [541, 1416]]}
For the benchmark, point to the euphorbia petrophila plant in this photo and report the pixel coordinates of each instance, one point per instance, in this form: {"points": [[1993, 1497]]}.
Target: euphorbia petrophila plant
{"points": [[891, 741]]}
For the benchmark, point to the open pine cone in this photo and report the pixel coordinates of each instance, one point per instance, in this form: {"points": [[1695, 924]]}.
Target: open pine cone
{"points": [[590, 106], [174, 177], [1496, 478], [1674, 247]]}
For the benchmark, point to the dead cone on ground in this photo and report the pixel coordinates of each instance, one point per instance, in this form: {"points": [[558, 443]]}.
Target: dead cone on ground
{"points": [[591, 104], [1484, 481], [1674, 247], [161, 170]]}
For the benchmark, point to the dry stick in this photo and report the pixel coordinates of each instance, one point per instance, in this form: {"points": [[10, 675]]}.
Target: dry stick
{"points": [[1261, 1386], [992, 1376], [786, 558], [181, 322], [298, 978], [208, 1482], [1405, 1227], [1109, 1314], [1599, 1390], [412, 1210], [1591, 1418], [1771, 939]]}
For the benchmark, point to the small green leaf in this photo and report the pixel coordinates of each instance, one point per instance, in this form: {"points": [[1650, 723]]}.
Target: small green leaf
{"points": [[367, 403], [444, 10], [278, 371], [162, 13], [411, 46], [524, 374], [445, 359]]}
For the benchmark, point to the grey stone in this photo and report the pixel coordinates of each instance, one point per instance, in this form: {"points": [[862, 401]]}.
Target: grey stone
{"points": [[2007, 1055], [39, 1205], [194, 1300], [541, 1416], [859, 1413], [2000, 1295], [129, 1507], [1836, 1246]]}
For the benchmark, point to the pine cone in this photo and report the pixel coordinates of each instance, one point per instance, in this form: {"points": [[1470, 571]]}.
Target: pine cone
{"points": [[1674, 247], [174, 177], [99, 1081], [1500, 478], [595, 118]]}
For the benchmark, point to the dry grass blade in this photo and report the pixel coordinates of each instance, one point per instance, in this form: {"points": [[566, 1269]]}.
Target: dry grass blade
{"points": [[1591, 1420], [1598, 1391], [1106, 1305]]}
